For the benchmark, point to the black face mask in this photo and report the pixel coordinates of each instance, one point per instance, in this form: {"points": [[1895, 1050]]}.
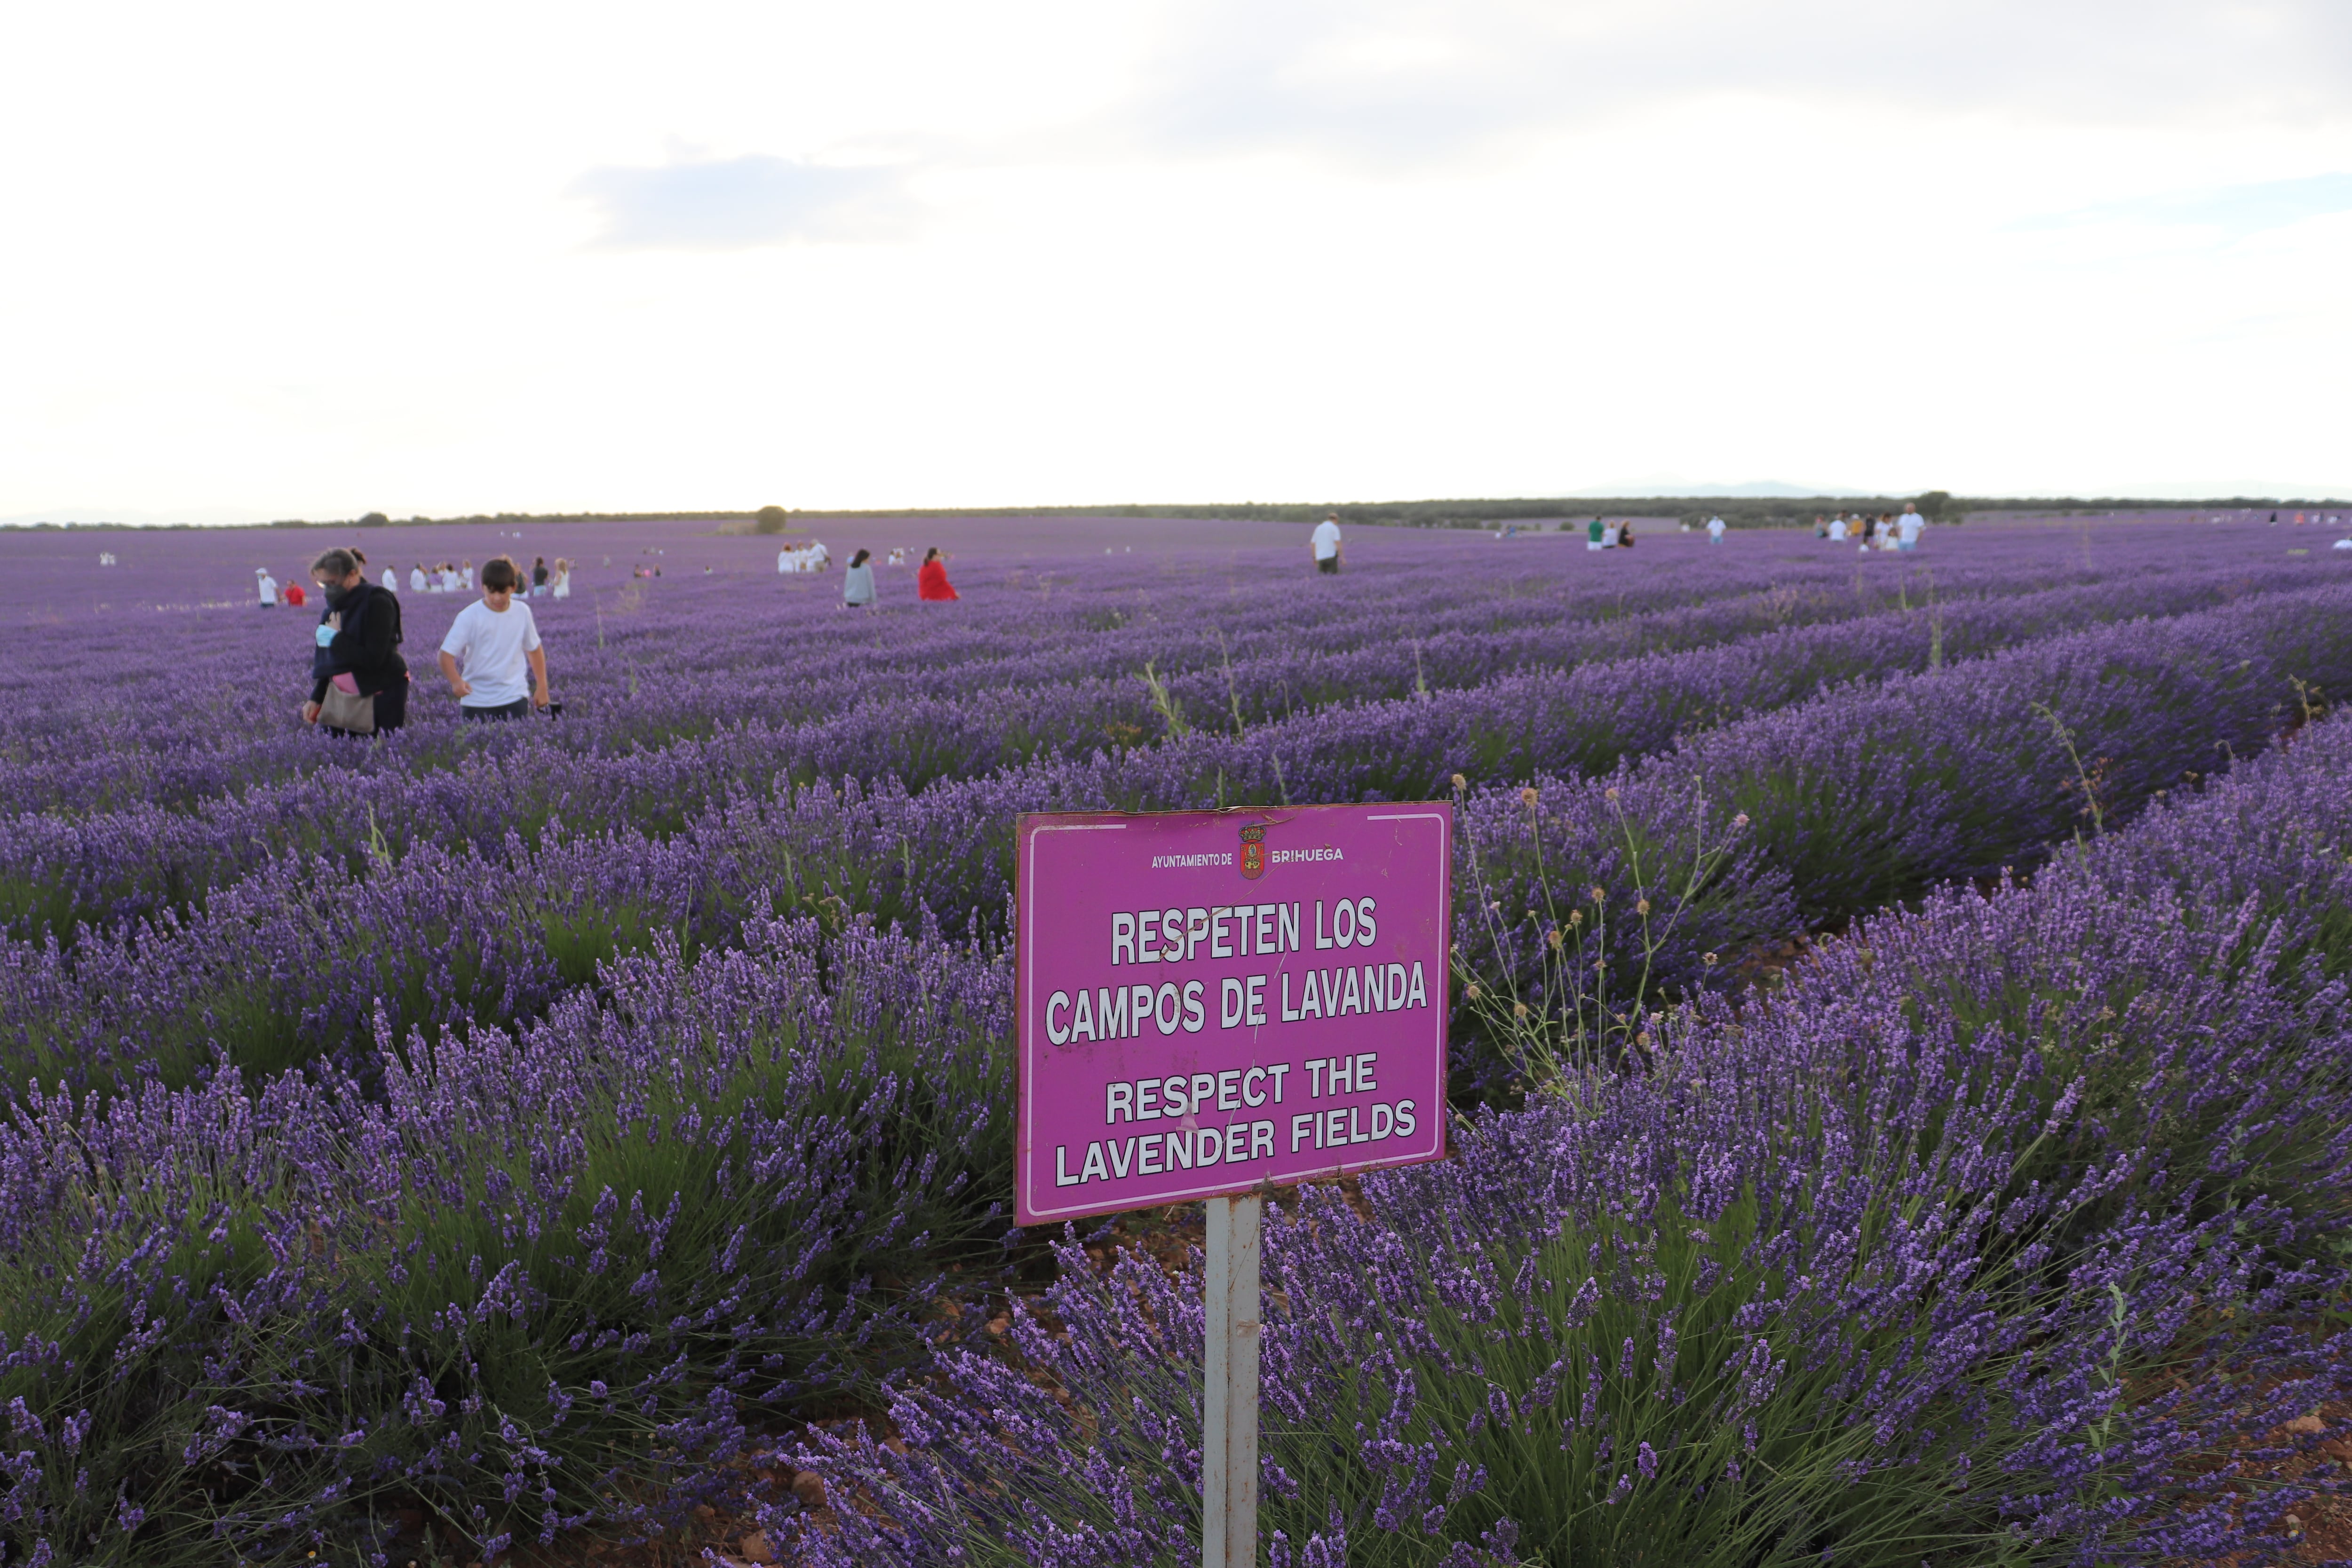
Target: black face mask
{"points": [[338, 597]]}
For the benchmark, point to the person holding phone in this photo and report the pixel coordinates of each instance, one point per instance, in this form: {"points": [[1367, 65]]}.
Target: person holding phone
{"points": [[357, 644]]}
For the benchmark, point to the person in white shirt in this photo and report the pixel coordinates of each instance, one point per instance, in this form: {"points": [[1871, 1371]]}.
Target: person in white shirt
{"points": [[1609, 536], [492, 658], [1837, 529], [448, 578], [391, 581], [417, 578], [267, 586], [1907, 527], [465, 577], [1715, 531], [784, 560], [562, 580], [1328, 551]]}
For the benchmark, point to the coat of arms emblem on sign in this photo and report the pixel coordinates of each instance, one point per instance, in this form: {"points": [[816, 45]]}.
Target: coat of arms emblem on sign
{"points": [[1254, 852]]}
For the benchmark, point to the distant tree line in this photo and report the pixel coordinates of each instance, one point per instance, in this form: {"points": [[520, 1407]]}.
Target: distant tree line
{"points": [[1739, 512]]}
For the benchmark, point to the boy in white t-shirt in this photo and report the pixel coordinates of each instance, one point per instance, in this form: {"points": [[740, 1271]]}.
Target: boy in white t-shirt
{"points": [[491, 657]]}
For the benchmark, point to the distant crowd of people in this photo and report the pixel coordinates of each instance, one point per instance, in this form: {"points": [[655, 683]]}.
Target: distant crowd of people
{"points": [[458, 577], [1886, 530], [858, 590], [1602, 534], [547, 581]]}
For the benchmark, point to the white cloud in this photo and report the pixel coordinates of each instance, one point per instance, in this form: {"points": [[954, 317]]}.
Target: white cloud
{"points": [[2231, 212], [725, 203], [591, 257], [1406, 80]]}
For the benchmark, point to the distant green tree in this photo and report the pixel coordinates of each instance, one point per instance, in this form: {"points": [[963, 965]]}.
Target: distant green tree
{"points": [[771, 518], [374, 519], [1934, 505]]}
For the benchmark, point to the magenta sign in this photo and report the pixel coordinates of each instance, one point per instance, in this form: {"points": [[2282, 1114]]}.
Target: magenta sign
{"points": [[1210, 1000]]}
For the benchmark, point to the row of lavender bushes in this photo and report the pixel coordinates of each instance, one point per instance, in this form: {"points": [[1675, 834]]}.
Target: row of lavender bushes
{"points": [[526, 1280], [1799, 815], [665, 672], [2012, 1231], [1554, 709], [266, 1312], [205, 722]]}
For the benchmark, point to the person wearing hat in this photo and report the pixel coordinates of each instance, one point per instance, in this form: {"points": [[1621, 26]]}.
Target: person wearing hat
{"points": [[267, 586]]}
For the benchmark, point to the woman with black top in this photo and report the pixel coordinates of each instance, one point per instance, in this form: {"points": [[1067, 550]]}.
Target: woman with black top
{"points": [[358, 643], [538, 576]]}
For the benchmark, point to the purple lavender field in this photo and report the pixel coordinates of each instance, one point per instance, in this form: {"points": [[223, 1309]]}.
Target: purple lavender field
{"points": [[1903, 1102]]}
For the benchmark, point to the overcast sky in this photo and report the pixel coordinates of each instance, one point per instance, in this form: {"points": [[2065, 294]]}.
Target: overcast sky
{"points": [[311, 260]]}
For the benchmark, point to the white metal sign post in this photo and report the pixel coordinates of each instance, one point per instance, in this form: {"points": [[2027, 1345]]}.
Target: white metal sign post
{"points": [[1228, 1413], [1211, 1003]]}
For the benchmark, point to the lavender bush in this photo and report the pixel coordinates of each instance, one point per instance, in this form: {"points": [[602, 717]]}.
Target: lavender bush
{"points": [[2015, 1232], [540, 1278], [500, 1131]]}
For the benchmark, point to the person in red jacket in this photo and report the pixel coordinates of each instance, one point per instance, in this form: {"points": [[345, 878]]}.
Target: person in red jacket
{"points": [[931, 579]]}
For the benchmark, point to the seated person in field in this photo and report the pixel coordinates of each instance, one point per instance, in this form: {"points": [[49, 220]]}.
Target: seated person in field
{"points": [[931, 579]]}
